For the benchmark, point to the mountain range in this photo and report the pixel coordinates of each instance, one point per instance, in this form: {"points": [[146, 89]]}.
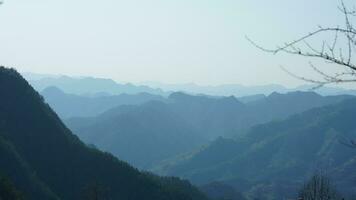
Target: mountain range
{"points": [[239, 90], [183, 123], [141, 135], [261, 146], [91, 86], [44, 160], [88, 86], [272, 160], [71, 105]]}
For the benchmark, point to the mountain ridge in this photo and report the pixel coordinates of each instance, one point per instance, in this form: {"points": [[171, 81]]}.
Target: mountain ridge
{"points": [[61, 161], [276, 157], [71, 105]]}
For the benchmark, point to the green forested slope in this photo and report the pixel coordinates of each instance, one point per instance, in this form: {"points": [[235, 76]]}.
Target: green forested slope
{"points": [[275, 158], [59, 160]]}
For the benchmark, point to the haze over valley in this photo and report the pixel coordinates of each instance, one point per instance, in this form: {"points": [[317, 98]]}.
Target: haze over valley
{"points": [[177, 100]]}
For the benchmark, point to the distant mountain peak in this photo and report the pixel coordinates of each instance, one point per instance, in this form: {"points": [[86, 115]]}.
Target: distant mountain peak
{"points": [[178, 94], [294, 94], [52, 90], [230, 100], [90, 85]]}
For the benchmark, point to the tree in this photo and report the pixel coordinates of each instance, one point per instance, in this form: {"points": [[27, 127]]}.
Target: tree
{"points": [[95, 191], [8, 190], [338, 50], [319, 187]]}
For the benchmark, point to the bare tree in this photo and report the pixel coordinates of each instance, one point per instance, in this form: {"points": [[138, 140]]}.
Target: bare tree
{"points": [[319, 187], [337, 50]]}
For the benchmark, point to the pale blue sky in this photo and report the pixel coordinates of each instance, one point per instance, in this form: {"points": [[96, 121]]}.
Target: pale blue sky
{"points": [[173, 41]]}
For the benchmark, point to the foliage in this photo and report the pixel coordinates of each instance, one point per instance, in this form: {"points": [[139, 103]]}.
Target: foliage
{"points": [[8, 190]]}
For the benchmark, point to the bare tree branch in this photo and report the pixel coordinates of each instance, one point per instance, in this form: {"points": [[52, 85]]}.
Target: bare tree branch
{"points": [[338, 51]]}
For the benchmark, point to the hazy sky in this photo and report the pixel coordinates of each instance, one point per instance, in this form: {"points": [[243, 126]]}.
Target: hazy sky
{"points": [[174, 41]]}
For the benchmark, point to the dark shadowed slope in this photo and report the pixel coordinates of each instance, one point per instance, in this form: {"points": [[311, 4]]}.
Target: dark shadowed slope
{"points": [[8, 191], [71, 105], [60, 160], [13, 165], [275, 158]]}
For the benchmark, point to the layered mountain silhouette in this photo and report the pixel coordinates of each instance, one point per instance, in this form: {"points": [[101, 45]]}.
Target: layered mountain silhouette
{"points": [[147, 134], [142, 135], [272, 160], [93, 86], [228, 116], [44, 160], [87, 85], [239, 90], [71, 105]]}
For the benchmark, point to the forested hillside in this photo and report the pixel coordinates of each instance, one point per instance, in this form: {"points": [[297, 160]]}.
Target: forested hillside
{"points": [[46, 161], [274, 159], [147, 134]]}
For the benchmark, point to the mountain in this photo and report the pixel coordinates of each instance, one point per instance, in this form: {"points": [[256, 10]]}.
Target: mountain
{"points": [[274, 159], [8, 190], [221, 191], [15, 166], [46, 161], [227, 116], [35, 76], [244, 90], [328, 90], [88, 85], [146, 134], [71, 105], [212, 117], [251, 98], [220, 90], [138, 133], [279, 106], [91, 86], [141, 135]]}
